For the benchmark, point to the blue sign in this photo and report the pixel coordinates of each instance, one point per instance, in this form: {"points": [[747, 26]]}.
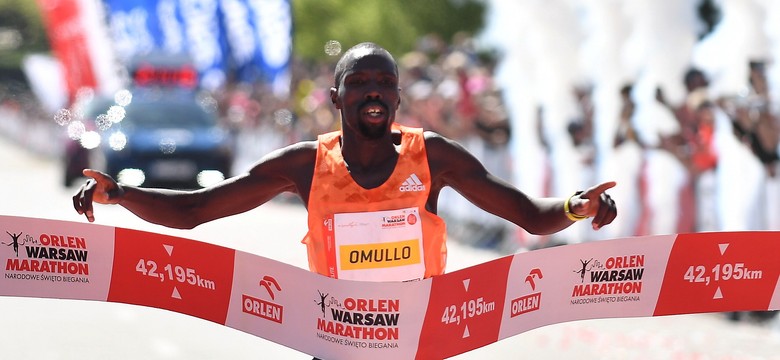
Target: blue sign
{"points": [[251, 39]]}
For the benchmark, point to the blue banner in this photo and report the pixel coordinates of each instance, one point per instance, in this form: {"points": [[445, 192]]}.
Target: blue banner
{"points": [[133, 27], [249, 39], [259, 34]]}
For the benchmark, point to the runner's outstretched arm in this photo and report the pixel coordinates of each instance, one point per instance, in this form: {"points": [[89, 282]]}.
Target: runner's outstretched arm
{"points": [[452, 165], [283, 170]]}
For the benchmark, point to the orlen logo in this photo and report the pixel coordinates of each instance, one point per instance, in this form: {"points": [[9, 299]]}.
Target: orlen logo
{"points": [[412, 183], [262, 308], [530, 302]]}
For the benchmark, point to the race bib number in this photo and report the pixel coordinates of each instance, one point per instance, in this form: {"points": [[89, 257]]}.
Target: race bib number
{"points": [[378, 246]]}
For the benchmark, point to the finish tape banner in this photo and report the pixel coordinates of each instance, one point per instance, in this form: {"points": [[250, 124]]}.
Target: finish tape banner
{"points": [[429, 319]]}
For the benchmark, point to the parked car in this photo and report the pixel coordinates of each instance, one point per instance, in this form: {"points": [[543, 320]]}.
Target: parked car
{"points": [[160, 141]]}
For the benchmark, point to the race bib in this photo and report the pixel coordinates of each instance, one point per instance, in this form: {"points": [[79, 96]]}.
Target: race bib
{"points": [[378, 246]]}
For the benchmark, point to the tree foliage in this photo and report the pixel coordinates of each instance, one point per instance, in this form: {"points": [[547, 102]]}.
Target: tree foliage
{"points": [[19, 18], [396, 25]]}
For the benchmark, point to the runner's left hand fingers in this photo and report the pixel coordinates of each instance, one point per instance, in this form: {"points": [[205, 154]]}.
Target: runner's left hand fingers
{"points": [[607, 211]]}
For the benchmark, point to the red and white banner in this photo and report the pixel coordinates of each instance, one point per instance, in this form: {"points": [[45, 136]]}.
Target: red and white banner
{"points": [[79, 40], [433, 318]]}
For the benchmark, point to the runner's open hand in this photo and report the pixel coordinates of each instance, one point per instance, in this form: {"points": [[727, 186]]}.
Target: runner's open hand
{"points": [[595, 203], [99, 188]]}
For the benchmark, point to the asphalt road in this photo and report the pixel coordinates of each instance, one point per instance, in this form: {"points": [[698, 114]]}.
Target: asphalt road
{"points": [[84, 330]]}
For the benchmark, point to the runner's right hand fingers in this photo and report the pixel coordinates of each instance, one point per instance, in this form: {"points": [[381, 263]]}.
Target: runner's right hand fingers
{"points": [[82, 200]]}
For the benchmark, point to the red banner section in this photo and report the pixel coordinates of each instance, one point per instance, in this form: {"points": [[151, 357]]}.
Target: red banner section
{"points": [[464, 310], [167, 272], [713, 272]]}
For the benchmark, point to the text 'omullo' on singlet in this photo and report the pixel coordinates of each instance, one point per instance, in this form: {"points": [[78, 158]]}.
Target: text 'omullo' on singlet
{"points": [[379, 234]]}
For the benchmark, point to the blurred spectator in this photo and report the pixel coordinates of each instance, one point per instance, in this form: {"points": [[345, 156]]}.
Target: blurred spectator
{"points": [[677, 143], [625, 166], [693, 151], [705, 161], [665, 173], [741, 199], [754, 139]]}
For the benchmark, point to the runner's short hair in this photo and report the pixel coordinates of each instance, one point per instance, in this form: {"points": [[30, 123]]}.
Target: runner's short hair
{"points": [[348, 57]]}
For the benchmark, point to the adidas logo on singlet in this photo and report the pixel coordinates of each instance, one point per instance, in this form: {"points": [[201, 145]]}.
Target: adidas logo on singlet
{"points": [[412, 183]]}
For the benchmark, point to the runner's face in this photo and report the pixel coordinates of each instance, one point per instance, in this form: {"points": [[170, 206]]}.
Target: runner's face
{"points": [[368, 95]]}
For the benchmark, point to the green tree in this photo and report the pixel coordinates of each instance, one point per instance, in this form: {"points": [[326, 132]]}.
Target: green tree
{"points": [[22, 32], [396, 25]]}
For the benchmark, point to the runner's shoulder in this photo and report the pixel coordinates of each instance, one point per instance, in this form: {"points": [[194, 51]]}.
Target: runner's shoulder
{"points": [[439, 145], [302, 148], [301, 153], [297, 156]]}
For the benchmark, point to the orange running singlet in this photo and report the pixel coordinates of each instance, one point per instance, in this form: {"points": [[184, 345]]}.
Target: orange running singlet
{"points": [[379, 234]]}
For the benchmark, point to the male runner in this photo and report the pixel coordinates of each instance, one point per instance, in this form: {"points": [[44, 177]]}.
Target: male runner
{"points": [[372, 172]]}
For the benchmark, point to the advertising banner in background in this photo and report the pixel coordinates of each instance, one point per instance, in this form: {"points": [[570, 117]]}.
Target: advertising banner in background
{"points": [[67, 34], [79, 40], [259, 34], [246, 40]]}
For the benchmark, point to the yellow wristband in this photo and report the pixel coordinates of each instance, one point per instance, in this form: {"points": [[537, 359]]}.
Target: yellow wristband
{"points": [[567, 209]]}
